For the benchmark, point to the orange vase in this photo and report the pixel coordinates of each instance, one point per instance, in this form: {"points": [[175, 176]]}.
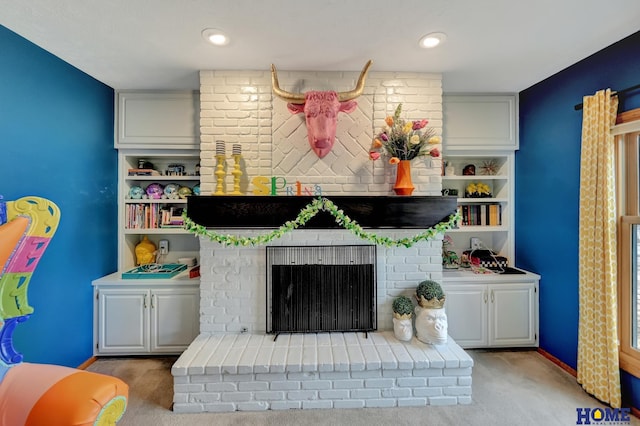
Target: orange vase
{"points": [[403, 185]]}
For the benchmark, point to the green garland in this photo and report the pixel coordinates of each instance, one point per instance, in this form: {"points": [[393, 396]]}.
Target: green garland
{"points": [[309, 211]]}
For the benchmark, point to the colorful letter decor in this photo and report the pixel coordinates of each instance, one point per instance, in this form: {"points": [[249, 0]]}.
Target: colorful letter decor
{"points": [[277, 185]]}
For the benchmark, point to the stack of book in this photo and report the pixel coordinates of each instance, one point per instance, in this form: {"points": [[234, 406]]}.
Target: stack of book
{"points": [[481, 214]]}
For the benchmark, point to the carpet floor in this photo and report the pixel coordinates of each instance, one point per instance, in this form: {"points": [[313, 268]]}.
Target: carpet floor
{"points": [[518, 387]]}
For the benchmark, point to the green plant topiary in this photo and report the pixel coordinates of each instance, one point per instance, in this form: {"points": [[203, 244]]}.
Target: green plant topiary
{"points": [[403, 306], [429, 294]]}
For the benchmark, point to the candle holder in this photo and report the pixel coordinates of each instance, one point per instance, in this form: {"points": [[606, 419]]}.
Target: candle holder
{"points": [[220, 174], [236, 153]]}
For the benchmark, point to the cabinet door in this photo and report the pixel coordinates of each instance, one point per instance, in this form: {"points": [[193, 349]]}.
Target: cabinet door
{"points": [[479, 122], [175, 319], [158, 120], [513, 314], [123, 321], [466, 307]]}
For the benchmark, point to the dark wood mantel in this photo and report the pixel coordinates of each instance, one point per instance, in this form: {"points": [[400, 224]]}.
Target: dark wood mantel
{"points": [[419, 212]]}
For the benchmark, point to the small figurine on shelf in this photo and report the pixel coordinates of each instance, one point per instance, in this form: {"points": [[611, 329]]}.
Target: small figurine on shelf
{"points": [[450, 259], [145, 252], [220, 168]]}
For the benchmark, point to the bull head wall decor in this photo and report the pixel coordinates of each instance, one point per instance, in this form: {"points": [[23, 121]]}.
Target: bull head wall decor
{"points": [[320, 109]]}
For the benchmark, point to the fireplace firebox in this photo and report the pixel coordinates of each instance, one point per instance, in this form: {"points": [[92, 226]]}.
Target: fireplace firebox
{"points": [[314, 289]]}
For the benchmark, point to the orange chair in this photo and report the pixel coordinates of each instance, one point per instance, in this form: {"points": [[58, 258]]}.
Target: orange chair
{"points": [[42, 394]]}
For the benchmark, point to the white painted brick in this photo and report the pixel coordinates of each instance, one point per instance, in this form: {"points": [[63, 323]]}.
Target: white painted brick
{"points": [[457, 390], [252, 406], [372, 374], [412, 382], [253, 386], [351, 403], [302, 395], [218, 407], [236, 396], [463, 400], [285, 385], [188, 388], [443, 400], [204, 397], [348, 384], [221, 387], [427, 392], [190, 408], [457, 371], [365, 393], [269, 396], [396, 392], [412, 402], [442, 381], [378, 383], [286, 405], [380, 403], [335, 375], [316, 384], [334, 394], [312, 405], [180, 398], [464, 381]]}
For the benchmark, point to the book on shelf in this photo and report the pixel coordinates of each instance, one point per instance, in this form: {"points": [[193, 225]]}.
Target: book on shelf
{"points": [[489, 214], [153, 216], [143, 172]]}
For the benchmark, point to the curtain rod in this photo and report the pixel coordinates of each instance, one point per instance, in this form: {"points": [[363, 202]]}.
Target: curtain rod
{"points": [[619, 92]]}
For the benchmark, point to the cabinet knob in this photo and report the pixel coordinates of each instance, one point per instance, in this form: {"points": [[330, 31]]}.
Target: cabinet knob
{"points": [[145, 301]]}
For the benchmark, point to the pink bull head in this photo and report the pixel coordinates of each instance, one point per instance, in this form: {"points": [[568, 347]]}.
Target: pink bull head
{"points": [[321, 110]]}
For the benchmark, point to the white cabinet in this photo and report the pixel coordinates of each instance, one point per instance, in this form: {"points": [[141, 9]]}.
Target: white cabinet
{"points": [[145, 318], [480, 122], [152, 120], [492, 311]]}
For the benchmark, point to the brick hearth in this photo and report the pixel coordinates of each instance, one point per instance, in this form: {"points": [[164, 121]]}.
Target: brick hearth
{"points": [[251, 372]]}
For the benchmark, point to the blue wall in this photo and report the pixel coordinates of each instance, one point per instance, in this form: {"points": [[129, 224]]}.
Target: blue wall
{"points": [[547, 186], [56, 139]]}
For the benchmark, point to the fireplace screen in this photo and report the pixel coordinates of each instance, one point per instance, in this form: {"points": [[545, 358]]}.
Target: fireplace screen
{"points": [[321, 288]]}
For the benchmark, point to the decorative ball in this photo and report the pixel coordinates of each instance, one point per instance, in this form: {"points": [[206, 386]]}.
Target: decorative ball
{"points": [[184, 192], [196, 189], [136, 192], [155, 191], [171, 190]]}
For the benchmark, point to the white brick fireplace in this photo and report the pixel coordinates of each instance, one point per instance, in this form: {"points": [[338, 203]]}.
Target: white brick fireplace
{"points": [[233, 365]]}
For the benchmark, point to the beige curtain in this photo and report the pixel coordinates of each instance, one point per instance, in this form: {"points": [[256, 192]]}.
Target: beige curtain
{"points": [[598, 369]]}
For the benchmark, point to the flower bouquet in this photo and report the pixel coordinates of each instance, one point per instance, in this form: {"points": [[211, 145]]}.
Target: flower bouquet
{"points": [[402, 141]]}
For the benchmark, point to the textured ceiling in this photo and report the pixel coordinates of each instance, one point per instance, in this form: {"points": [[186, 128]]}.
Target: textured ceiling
{"points": [[492, 45]]}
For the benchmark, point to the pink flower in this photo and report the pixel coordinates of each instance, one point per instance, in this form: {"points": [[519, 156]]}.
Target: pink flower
{"points": [[417, 125], [435, 152], [384, 137], [373, 155]]}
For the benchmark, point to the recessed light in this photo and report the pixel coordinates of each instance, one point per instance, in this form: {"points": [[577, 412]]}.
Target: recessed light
{"points": [[215, 36], [432, 40]]}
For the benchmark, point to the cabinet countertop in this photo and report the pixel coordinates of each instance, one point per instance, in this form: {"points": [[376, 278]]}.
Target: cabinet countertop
{"points": [[466, 275], [115, 278]]}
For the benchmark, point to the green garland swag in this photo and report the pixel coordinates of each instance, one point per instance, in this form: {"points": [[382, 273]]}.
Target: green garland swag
{"points": [[309, 211]]}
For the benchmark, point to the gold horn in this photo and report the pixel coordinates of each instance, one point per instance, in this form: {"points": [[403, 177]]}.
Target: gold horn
{"points": [[294, 98], [352, 94]]}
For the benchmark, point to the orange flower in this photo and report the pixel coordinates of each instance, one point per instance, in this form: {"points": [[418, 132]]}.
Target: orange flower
{"points": [[394, 160], [377, 143], [389, 121]]}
